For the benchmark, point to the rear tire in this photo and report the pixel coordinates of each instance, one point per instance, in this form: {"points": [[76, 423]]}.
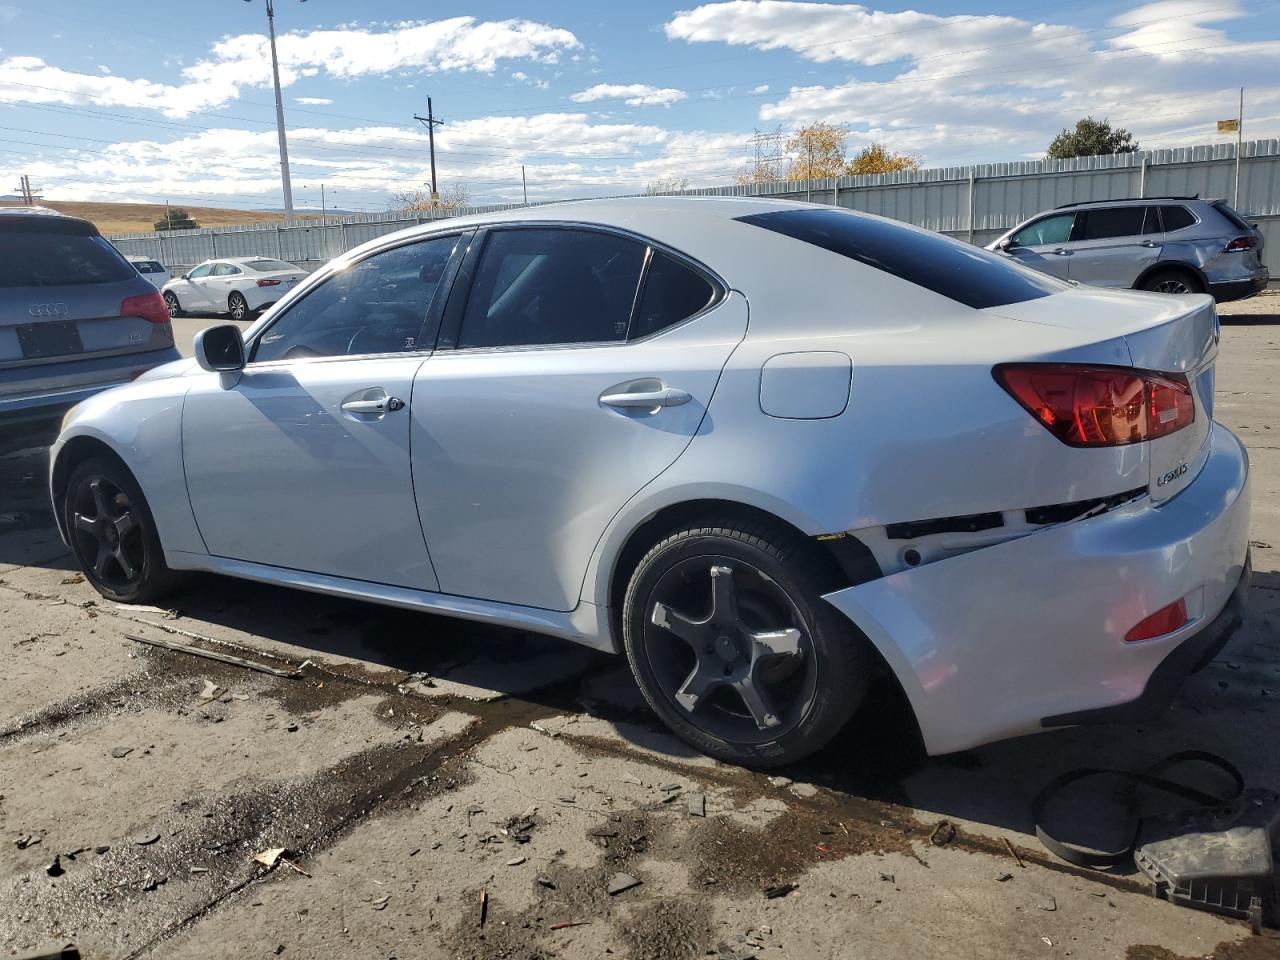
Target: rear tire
{"points": [[113, 534], [732, 645], [172, 304], [238, 306], [1174, 281]]}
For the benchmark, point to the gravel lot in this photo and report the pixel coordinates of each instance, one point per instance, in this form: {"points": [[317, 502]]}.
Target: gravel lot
{"points": [[447, 790]]}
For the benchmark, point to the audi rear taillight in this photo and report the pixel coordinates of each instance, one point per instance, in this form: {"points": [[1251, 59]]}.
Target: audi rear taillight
{"points": [[1242, 243], [148, 306], [1097, 406], [268, 283]]}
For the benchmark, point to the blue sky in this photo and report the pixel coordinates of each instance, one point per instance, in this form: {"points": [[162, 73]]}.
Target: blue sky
{"points": [[134, 100]]}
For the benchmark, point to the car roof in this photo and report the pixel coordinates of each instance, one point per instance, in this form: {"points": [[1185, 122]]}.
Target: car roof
{"points": [[1127, 201], [642, 214], [41, 213]]}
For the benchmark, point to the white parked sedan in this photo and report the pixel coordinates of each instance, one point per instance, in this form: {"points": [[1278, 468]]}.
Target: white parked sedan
{"points": [[239, 286], [773, 453]]}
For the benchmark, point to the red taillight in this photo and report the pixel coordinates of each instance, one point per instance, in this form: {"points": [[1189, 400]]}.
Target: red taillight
{"points": [[149, 306], [1086, 406], [1242, 243], [1165, 620], [268, 283]]}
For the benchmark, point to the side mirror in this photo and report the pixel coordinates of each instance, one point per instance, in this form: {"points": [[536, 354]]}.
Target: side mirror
{"points": [[1006, 244], [185, 276], [220, 349]]}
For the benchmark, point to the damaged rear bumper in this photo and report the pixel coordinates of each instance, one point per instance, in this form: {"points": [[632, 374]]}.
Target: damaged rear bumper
{"points": [[1030, 633]]}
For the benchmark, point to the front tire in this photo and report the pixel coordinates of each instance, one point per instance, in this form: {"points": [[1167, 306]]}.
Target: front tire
{"points": [[732, 645], [172, 305], [113, 535], [238, 306]]}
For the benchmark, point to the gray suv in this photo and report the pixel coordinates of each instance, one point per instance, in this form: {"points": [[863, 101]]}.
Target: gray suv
{"points": [[75, 317], [1165, 244]]}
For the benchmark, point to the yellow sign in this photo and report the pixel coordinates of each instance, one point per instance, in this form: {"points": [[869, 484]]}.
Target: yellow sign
{"points": [[1228, 126]]}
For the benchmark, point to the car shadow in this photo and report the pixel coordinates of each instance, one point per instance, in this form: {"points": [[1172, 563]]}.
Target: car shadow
{"points": [[28, 535]]}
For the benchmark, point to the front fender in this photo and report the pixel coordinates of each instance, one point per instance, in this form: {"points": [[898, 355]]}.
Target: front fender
{"points": [[141, 424]]}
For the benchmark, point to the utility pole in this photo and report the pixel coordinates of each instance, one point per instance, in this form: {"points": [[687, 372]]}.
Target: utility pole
{"points": [[324, 215], [524, 184], [431, 123], [284, 147], [808, 180], [1239, 143], [29, 196]]}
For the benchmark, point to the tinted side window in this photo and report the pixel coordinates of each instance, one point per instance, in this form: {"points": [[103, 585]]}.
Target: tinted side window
{"points": [[201, 271], [225, 270], [1175, 218], [1233, 218], [1055, 229], [377, 305], [672, 292], [950, 268], [543, 286], [1106, 223]]}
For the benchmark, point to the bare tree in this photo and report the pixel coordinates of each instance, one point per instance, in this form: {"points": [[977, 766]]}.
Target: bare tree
{"points": [[455, 197], [666, 185]]}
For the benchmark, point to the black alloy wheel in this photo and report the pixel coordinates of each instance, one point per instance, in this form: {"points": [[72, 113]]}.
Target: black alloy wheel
{"points": [[113, 535], [733, 646]]}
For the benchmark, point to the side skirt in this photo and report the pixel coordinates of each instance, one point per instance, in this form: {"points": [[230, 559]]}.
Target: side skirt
{"points": [[586, 624]]}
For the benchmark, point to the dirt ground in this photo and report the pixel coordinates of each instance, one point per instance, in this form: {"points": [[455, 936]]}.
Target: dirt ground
{"points": [[445, 790]]}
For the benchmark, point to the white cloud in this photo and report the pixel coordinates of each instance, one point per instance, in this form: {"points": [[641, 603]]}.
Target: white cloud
{"points": [[634, 94], [762, 88], [983, 84], [457, 44], [313, 101]]}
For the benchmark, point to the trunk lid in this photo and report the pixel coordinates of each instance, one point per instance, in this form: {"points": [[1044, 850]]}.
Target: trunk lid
{"points": [[1163, 333]]}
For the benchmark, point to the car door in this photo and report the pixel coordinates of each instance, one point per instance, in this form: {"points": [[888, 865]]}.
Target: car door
{"points": [[220, 283], [303, 462], [556, 393], [1044, 244], [1112, 246], [194, 295]]}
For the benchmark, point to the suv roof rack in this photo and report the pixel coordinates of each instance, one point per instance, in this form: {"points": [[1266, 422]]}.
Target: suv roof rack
{"points": [[1085, 203]]}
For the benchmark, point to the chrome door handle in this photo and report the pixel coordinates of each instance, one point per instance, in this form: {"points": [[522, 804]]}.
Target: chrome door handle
{"points": [[1062, 253], [380, 405], [667, 397], [1148, 243]]}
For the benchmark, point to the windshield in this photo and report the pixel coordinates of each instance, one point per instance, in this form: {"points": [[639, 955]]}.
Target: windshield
{"points": [[56, 255], [956, 270]]}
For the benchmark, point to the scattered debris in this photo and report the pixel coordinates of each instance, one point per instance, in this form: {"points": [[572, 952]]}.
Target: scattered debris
{"points": [[565, 924], [780, 781], [621, 882], [484, 906], [779, 890], [669, 787], [519, 827], [822, 848], [1049, 904], [30, 840], [119, 753], [55, 869], [273, 855], [888, 878], [804, 790], [1006, 877], [1013, 853], [516, 861], [381, 902], [69, 952], [543, 880], [943, 833], [211, 691], [697, 804], [215, 655], [150, 883], [146, 839]]}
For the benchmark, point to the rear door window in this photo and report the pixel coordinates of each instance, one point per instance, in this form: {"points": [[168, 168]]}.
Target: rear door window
{"points": [[1108, 223], [950, 268], [544, 286], [1176, 218], [36, 253], [270, 266], [672, 294], [225, 270], [1233, 218]]}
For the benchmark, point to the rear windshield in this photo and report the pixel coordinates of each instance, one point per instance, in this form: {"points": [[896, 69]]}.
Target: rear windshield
{"points": [[57, 254], [269, 266], [959, 271]]}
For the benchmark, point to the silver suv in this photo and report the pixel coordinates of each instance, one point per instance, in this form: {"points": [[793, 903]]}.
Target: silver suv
{"points": [[1165, 244], [75, 318]]}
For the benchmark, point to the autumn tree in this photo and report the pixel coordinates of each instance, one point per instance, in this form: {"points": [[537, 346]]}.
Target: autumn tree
{"points": [[817, 151], [876, 158], [176, 218], [1091, 138]]}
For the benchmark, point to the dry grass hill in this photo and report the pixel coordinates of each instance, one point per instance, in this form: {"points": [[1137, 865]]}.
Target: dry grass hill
{"points": [[138, 217]]}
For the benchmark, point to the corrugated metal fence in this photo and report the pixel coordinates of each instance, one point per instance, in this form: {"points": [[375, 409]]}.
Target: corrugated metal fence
{"points": [[975, 203]]}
